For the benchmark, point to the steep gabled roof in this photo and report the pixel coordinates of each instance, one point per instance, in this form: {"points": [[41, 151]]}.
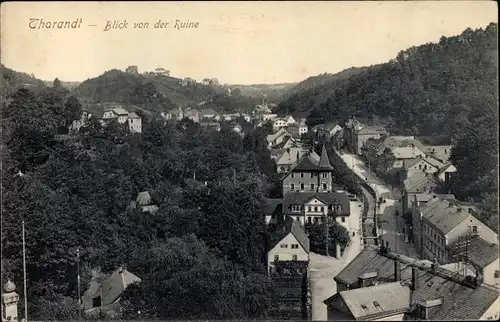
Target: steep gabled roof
{"points": [[324, 161], [113, 286], [306, 163], [289, 226], [444, 215]]}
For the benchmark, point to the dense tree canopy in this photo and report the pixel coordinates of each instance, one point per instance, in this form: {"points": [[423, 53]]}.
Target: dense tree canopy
{"points": [[75, 192]]}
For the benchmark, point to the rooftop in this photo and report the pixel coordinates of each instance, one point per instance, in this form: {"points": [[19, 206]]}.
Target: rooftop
{"points": [[310, 163], [370, 261], [443, 214], [416, 179], [379, 300], [272, 204], [289, 226], [482, 253]]}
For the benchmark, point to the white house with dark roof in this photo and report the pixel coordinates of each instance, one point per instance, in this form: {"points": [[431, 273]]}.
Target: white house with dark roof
{"points": [[314, 207], [288, 242], [302, 127], [418, 165]]}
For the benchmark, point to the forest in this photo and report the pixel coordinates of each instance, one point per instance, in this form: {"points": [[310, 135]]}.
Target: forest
{"points": [[445, 91], [74, 191]]}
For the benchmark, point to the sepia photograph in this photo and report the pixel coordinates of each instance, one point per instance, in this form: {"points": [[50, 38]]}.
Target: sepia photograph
{"points": [[253, 160]]}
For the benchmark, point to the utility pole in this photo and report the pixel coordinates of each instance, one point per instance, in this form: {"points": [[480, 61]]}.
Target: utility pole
{"points": [[327, 241], [78, 281], [24, 273]]}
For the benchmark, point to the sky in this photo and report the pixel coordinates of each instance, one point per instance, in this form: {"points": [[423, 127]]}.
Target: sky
{"points": [[250, 42]]}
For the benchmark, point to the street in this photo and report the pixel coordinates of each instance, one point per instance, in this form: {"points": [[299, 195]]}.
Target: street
{"points": [[392, 226], [323, 269]]}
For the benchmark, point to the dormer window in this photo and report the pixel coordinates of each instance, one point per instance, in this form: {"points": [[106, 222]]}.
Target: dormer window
{"points": [[296, 208]]}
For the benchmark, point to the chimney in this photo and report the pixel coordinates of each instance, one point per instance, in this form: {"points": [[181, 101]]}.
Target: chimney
{"points": [[414, 278], [397, 270]]}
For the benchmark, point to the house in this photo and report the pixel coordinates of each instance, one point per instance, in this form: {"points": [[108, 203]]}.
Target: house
{"points": [[82, 122], [302, 127], [144, 203], [208, 114], [368, 286], [161, 71], [314, 207], [193, 114], [104, 292], [288, 242], [175, 114], [268, 117], [289, 120], [123, 116], [421, 165], [272, 211], [328, 130], [362, 135], [445, 173], [483, 257], [310, 174], [416, 203], [134, 123], [286, 158], [277, 138], [419, 182], [385, 302], [444, 223], [246, 117], [279, 123], [262, 109], [439, 152]]}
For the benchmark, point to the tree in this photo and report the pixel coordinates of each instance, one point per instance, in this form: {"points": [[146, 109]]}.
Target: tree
{"points": [[337, 234]]}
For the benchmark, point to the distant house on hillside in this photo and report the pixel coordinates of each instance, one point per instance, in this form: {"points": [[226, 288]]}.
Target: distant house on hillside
{"points": [[161, 71], [132, 70], [144, 202], [123, 116]]}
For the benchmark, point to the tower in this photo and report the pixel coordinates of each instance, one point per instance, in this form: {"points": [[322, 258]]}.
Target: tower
{"points": [[9, 302]]}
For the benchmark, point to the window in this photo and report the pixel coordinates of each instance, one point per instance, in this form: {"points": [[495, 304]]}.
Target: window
{"points": [[298, 218], [295, 208], [284, 245], [292, 175], [301, 186], [376, 304], [425, 166], [321, 208], [309, 208], [316, 219], [309, 220], [312, 175], [276, 257], [497, 274], [301, 175], [96, 301], [294, 257], [324, 186], [324, 175], [295, 246], [474, 229], [292, 187], [343, 219], [315, 209], [419, 166]]}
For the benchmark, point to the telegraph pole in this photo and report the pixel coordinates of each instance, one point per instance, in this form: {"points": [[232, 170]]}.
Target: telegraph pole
{"points": [[326, 241], [78, 280], [24, 273]]}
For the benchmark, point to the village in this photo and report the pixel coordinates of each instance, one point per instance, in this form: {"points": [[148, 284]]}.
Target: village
{"points": [[407, 231]]}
